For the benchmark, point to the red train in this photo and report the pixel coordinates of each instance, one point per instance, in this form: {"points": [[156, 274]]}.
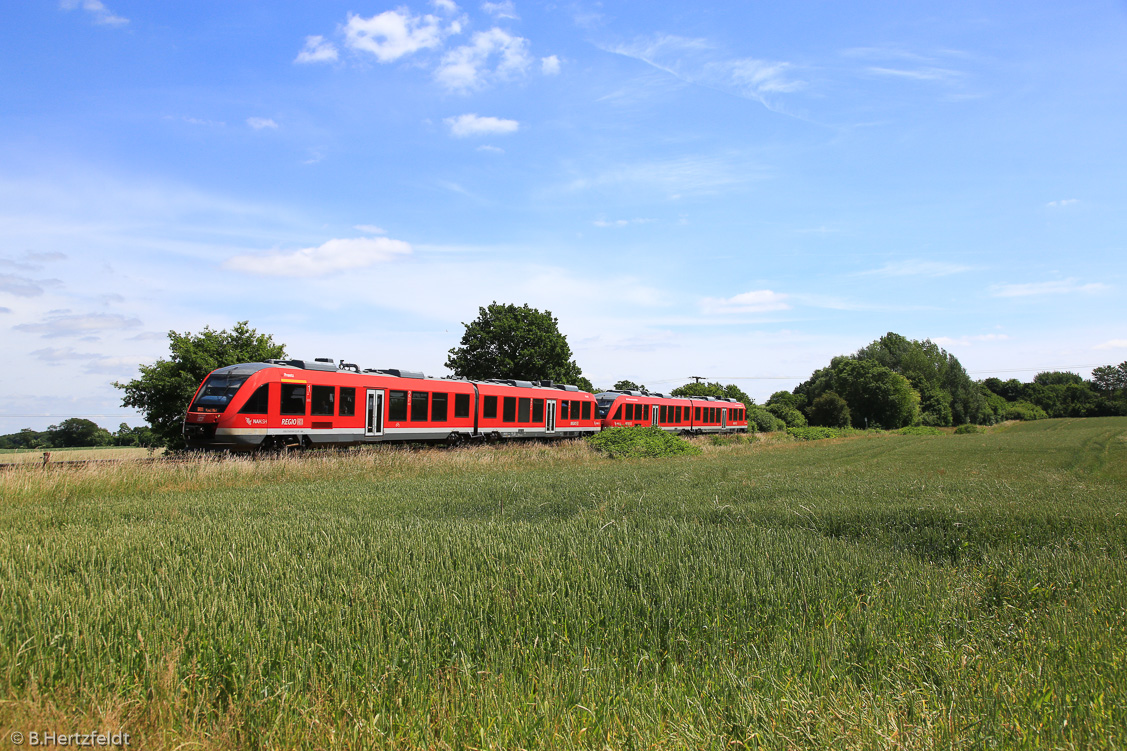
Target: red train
{"points": [[315, 403]]}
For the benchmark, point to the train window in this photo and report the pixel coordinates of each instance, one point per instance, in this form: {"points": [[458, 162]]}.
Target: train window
{"points": [[696, 414], [662, 414], [538, 410], [524, 406], [629, 411], [678, 415], [347, 401], [574, 410], [438, 407], [586, 410], [646, 413], [293, 399], [563, 410], [713, 414], [617, 413], [396, 405], [258, 402], [509, 409], [461, 405], [419, 402], [322, 401], [489, 408]]}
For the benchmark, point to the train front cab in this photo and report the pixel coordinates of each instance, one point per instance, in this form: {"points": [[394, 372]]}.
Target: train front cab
{"points": [[235, 389]]}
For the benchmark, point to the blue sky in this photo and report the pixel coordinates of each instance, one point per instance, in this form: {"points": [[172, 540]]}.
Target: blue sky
{"points": [[734, 190]]}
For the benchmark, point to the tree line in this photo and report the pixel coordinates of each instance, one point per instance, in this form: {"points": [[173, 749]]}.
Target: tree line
{"points": [[891, 383]]}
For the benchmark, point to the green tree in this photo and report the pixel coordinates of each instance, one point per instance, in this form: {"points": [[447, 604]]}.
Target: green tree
{"points": [[1057, 378], [164, 389], [877, 396], [77, 431], [830, 410], [507, 341], [1111, 380], [949, 395], [628, 386]]}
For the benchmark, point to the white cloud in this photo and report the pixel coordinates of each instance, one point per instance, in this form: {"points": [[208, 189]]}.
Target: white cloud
{"points": [[395, 33], [491, 149], [317, 50], [1060, 287], [471, 66], [503, 9], [446, 6], [371, 229], [1112, 344], [916, 74], [339, 254], [97, 9], [756, 301], [550, 66], [916, 267], [258, 123], [1062, 203], [464, 126], [64, 323]]}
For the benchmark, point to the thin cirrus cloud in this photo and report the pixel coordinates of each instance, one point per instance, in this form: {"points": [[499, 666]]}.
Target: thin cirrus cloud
{"points": [[1112, 344], [755, 301], [260, 123], [698, 62], [466, 126], [1034, 289], [333, 256], [101, 14], [917, 268]]}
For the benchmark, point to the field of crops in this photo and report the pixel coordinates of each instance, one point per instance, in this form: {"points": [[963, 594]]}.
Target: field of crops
{"points": [[953, 591]]}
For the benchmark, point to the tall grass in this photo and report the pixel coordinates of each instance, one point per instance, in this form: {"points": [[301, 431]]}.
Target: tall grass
{"points": [[881, 591]]}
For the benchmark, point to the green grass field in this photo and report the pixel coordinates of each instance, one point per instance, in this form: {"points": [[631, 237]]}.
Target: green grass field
{"points": [[889, 591]]}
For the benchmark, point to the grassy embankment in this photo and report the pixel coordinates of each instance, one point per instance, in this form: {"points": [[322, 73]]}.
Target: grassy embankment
{"points": [[885, 591]]}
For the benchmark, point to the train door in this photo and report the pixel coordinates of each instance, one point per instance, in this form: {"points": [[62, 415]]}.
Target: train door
{"points": [[373, 422], [723, 417], [550, 416], [655, 412]]}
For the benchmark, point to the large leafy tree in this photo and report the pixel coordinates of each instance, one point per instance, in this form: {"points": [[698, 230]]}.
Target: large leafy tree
{"points": [[876, 395], [510, 341], [948, 394], [164, 389]]}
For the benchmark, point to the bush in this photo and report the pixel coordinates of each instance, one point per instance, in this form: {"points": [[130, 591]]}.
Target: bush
{"points": [[830, 410], [645, 441], [763, 421], [813, 434], [968, 429], [920, 430], [1024, 411]]}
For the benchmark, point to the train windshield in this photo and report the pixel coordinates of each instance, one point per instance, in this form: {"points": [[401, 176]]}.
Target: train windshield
{"points": [[217, 392], [605, 402]]}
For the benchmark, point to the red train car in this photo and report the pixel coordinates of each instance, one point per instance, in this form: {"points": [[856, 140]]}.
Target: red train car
{"points": [[676, 414], [311, 403]]}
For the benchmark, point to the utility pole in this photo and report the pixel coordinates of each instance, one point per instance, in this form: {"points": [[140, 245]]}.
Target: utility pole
{"points": [[698, 379]]}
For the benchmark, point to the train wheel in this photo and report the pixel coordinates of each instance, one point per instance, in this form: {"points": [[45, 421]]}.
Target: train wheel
{"points": [[454, 439]]}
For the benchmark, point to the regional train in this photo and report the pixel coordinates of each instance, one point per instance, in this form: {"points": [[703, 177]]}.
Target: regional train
{"points": [[317, 403]]}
